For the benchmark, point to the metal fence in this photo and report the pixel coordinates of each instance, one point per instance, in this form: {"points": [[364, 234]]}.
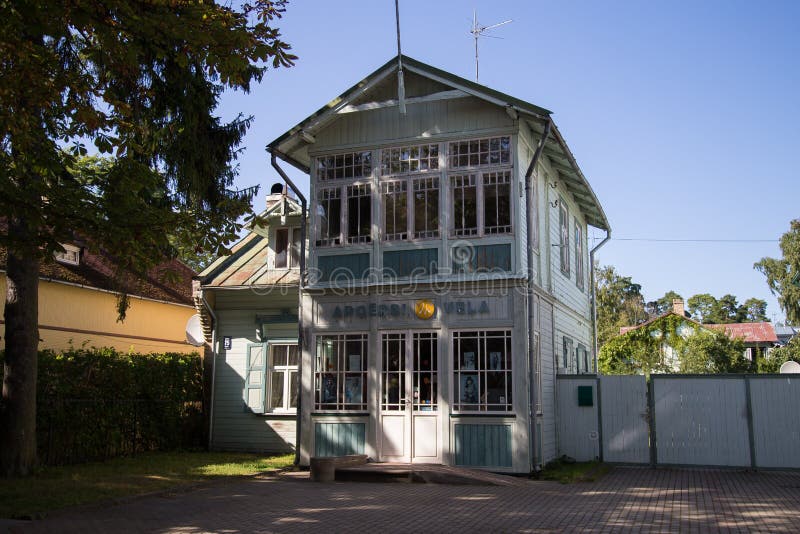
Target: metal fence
{"points": [[80, 430], [703, 420]]}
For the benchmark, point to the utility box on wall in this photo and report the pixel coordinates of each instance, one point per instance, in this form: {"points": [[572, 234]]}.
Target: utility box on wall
{"points": [[585, 396]]}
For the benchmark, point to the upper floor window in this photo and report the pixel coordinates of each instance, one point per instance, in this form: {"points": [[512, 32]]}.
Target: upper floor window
{"points": [[329, 216], [350, 165], [563, 224], [578, 254], [423, 204], [287, 248], [410, 159], [491, 191], [71, 255], [480, 152], [359, 213]]}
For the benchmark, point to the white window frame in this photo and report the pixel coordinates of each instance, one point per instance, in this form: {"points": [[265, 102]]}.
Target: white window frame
{"points": [[287, 371], [347, 175], [340, 404], [563, 230], [482, 406], [410, 183], [292, 232], [70, 256], [567, 352]]}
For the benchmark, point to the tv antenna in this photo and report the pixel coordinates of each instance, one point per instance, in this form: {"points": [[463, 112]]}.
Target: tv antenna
{"points": [[480, 31]]}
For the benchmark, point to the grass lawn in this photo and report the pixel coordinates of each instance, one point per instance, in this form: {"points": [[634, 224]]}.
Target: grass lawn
{"points": [[58, 487], [568, 473]]}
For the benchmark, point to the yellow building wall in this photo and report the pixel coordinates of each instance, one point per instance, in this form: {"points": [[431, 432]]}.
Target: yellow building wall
{"points": [[78, 316]]}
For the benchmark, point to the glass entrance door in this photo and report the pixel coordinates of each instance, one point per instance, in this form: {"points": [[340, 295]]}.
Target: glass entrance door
{"points": [[410, 397]]}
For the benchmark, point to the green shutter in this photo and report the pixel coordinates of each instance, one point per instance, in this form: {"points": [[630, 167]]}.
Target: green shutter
{"points": [[255, 379]]}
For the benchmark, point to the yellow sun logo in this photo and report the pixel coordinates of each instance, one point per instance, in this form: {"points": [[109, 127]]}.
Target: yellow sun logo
{"points": [[424, 308]]}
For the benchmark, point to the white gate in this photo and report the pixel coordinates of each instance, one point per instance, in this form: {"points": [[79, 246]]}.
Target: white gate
{"points": [[624, 415], [701, 420]]}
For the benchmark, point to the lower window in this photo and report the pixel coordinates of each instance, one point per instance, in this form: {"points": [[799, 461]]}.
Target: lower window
{"points": [[340, 372], [282, 380], [482, 374]]}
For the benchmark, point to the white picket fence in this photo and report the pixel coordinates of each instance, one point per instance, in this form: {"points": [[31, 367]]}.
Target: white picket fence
{"points": [[702, 420]]}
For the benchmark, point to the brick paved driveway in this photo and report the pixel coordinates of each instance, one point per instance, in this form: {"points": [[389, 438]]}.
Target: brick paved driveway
{"points": [[624, 500]]}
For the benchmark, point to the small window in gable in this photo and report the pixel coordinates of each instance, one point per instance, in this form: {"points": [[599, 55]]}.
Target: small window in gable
{"points": [[70, 256], [287, 248]]}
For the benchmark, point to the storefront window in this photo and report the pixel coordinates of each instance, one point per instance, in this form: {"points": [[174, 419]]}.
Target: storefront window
{"points": [[341, 372], [482, 376]]}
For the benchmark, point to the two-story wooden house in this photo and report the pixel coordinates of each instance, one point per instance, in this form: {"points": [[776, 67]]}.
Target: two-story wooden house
{"points": [[449, 274]]}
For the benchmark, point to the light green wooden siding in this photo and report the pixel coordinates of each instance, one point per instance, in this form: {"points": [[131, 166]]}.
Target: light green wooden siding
{"points": [[482, 258], [416, 262], [483, 445], [339, 439], [343, 267]]}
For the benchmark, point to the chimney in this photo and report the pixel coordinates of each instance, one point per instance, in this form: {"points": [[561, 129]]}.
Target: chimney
{"points": [[276, 193], [677, 307]]}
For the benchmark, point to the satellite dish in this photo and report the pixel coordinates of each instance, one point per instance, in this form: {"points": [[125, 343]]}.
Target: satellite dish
{"points": [[194, 331], [790, 367]]}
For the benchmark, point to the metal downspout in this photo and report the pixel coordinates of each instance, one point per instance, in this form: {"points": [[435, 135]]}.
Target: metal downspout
{"points": [[303, 204], [594, 297], [532, 439], [213, 365]]}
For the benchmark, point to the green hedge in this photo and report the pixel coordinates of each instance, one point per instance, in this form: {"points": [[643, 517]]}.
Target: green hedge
{"points": [[99, 403]]}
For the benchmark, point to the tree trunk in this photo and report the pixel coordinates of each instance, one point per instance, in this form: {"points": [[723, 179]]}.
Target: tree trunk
{"points": [[18, 403]]}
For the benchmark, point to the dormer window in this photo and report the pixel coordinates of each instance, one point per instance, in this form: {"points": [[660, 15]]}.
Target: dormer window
{"points": [[70, 256], [287, 248]]}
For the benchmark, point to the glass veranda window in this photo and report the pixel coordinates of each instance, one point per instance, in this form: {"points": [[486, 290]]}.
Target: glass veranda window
{"points": [[465, 205], [359, 213], [341, 372], [395, 208], [426, 208], [482, 376], [497, 202], [329, 216]]}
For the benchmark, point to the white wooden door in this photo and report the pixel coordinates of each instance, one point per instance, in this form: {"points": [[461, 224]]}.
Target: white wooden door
{"points": [[410, 397]]}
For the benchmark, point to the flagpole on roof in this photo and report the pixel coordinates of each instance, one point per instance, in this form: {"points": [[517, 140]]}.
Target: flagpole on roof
{"points": [[401, 88]]}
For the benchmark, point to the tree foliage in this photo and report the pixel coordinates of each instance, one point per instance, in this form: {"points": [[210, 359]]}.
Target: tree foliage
{"points": [[141, 82], [662, 305], [707, 309], [783, 274], [779, 355], [619, 303]]}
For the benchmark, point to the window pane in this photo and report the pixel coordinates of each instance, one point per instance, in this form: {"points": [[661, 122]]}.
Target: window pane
{"points": [[497, 202], [482, 371], [426, 208], [293, 389], [292, 355], [359, 219], [351, 165], [563, 221], [329, 210], [296, 240], [281, 244], [278, 355], [465, 212], [276, 400], [340, 374], [395, 203], [481, 152]]}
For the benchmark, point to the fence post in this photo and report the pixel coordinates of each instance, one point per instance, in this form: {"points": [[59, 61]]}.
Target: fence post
{"points": [[750, 432], [599, 418], [651, 420]]}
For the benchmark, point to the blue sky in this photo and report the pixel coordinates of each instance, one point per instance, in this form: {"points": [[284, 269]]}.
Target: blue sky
{"points": [[684, 116]]}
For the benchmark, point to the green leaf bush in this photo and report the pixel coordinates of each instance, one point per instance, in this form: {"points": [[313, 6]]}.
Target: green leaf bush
{"points": [[96, 403]]}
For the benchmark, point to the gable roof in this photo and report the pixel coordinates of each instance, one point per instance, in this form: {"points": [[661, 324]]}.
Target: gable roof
{"points": [[291, 144], [246, 265], [97, 270]]}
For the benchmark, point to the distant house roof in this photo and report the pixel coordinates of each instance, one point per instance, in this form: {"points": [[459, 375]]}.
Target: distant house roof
{"points": [[749, 332], [292, 145], [97, 270]]}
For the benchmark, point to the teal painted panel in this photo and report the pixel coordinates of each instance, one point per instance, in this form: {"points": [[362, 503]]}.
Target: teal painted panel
{"points": [[482, 259], [483, 445], [415, 262], [342, 267], [339, 439]]}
